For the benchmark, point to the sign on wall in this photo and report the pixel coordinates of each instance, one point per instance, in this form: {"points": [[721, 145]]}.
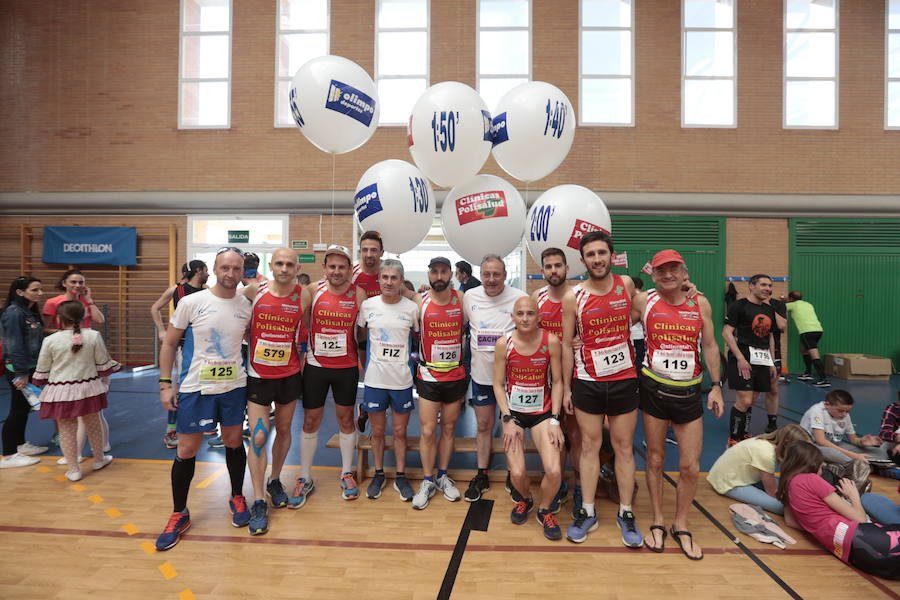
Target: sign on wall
{"points": [[237, 236], [90, 245]]}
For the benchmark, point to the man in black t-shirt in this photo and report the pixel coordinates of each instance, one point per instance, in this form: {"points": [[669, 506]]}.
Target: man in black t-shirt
{"points": [[772, 395], [748, 335]]}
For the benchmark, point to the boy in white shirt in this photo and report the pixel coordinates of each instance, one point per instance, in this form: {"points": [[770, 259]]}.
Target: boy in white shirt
{"points": [[829, 422]]}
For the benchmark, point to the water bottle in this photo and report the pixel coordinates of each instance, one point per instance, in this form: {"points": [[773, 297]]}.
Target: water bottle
{"points": [[32, 393]]}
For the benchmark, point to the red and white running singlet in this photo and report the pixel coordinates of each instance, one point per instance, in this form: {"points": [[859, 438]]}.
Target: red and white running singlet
{"points": [[527, 377], [367, 281], [604, 325], [550, 312], [442, 334], [273, 333], [332, 343], [673, 338]]}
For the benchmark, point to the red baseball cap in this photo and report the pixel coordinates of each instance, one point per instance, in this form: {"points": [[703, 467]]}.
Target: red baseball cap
{"points": [[666, 256]]}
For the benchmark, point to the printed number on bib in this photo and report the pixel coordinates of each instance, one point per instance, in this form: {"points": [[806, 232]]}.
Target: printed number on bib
{"points": [[609, 361], [445, 353], [526, 399], [485, 339], [273, 354], [218, 371], [331, 344], [388, 352], [761, 357], [673, 364]]}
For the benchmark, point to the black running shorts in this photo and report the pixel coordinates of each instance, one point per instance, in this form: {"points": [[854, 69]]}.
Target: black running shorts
{"points": [[606, 397], [318, 380], [283, 390], [445, 392]]}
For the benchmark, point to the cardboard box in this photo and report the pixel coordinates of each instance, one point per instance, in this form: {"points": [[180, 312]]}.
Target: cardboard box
{"points": [[858, 366]]}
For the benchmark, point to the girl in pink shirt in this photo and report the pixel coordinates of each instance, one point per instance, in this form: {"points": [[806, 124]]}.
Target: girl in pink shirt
{"points": [[835, 517]]}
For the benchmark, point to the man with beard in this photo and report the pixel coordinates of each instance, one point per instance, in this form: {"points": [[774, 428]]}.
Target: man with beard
{"points": [[442, 381], [488, 309], [750, 369], [211, 386], [605, 383], [549, 299], [332, 363], [365, 272]]}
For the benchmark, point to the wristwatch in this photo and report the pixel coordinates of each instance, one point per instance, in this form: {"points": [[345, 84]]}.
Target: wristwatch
{"points": [[716, 383], [506, 418], [553, 421]]}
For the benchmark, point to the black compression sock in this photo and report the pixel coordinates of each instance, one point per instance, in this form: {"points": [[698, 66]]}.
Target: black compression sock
{"points": [[807, 360], [820, 368], [773, 420], [236, 461], [482, 471], [182, 474], [738, 423]]}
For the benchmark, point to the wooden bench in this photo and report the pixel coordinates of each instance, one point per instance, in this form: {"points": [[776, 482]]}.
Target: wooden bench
{"points": [[466, 444]]}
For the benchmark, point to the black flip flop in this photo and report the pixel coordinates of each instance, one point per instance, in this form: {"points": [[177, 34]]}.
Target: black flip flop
{"points": [[676, 535], [662, 546]]}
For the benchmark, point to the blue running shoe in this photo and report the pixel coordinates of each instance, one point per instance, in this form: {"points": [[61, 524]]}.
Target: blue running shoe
{"points": [[373, 492], [550, 524], [349, 489], [401, 484], [216, 442], [577, 500], [559, 498], [240, 516], [579, 529], [259, 518], [179, 522], [631, 535], [519, 513], [302, 489], [277, 494]]}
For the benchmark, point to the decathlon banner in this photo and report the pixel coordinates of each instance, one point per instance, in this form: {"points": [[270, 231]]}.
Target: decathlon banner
{"points": [[90, 245]]}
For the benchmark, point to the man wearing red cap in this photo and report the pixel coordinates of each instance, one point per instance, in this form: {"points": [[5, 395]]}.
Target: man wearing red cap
{"points": [[676, 326]]}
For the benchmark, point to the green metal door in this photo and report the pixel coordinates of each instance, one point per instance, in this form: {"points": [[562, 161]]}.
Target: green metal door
{"points": [[849, 269]]}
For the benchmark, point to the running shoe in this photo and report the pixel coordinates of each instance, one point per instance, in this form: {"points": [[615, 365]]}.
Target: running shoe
{"points": [[577, 500], [349, 489], [216, 442], [631, 535], [240, 516], [670, 437], [822, 383], [18, 460], [171, 439], [277, 495], [477, 487], [519, 513], [426, 491], [259, 518], [805, 377], [302, 489], [373, 492], [179, 522], [362, 418], [99, 463], [448, 486], [579, 529], [559, 498], [550, 524], [29, 449], [770, 427], [401, 484]]}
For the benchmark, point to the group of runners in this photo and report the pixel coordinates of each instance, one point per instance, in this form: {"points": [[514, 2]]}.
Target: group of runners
{"points": [[559, 363]]}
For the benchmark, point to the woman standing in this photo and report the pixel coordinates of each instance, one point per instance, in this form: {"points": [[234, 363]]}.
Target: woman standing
{"points": [[73, 284], [22, 329]]}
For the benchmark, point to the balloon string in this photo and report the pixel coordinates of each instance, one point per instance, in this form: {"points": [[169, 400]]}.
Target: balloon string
{"points": [[332, 196]]}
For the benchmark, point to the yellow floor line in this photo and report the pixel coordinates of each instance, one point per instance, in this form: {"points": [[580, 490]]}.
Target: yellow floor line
{"points": [[113, 513], [78, 487], [95, 499], [148, 547], [218, 473], [130, 528], [167, 570], [186, 595]]}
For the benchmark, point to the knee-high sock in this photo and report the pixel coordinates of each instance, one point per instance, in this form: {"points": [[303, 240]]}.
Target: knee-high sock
{"points": [[182, 474], [807, 360], [348, 449], [236, 460], [308, 443], [739, 422], [820, 368]]}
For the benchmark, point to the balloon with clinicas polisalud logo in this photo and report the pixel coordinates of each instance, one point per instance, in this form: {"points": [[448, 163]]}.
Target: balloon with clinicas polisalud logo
{"points": [[560, 217]]}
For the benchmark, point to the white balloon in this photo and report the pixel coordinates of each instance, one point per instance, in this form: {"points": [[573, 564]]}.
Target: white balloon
{"points": [[450, 133], [485, 215], [560, 217], [394, 199], [533, 129], [334, 103]]}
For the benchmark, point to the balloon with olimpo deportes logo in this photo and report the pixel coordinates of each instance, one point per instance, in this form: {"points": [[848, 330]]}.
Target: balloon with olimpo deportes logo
{"points": [[560, 217], [450, 133], [533, 128], [484, 215], [334, 103], [394, 199]]}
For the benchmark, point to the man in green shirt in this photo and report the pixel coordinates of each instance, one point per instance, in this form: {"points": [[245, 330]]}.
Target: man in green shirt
{"points": [[804, 316]]}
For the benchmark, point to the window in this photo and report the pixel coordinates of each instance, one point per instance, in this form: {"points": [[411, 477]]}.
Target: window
{"points": [[504, 47], [892, 66], [810, 63], [401, 57], [262, 235], [204, 86], [708, 64], [606, 52], [302, 35]]}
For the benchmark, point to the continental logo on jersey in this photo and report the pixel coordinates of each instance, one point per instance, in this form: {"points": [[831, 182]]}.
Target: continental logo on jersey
{"points": [[480, 206], [579, 230], [689, 316], [540, 361], [454, 312], [348, 100], [344, 304], [618, 303], [290, 308]]}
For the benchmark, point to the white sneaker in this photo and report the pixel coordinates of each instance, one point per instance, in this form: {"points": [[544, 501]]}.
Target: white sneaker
{"points": [[29, 449], [426, 491], [74, 475], [18, 460], [447, 485], [99, 464], [63, 461], [107, 448]]}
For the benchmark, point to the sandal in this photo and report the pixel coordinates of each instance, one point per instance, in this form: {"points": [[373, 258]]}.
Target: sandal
{"points": [[676, 535], [662, 545]]}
